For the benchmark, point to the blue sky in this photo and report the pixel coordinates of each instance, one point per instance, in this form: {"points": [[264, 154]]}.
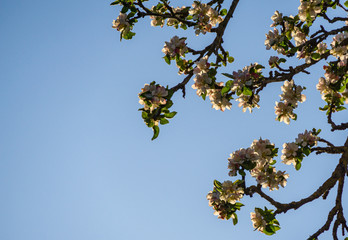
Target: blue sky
{"points": [[76, 159]]}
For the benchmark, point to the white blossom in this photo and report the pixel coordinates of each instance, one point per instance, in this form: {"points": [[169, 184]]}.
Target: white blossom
{"points": [[322, 47], [202, 83], [272, 38], [289, 153], [263, 149], [277, 19], [267, 176], [155, 94], [244, 101], [311, 8], [121, 23], [339, 51], [258, 222], [292, 93], [202, 65], [205, 16], [238, 157], [218, 102], [272, 60], [284, 112], [175, 46], [231, 193], [298, 36], [306, 139]]}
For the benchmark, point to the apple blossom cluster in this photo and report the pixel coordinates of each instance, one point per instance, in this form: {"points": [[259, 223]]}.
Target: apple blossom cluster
{"points": [[272, 40], [152, 96], [258, 222], [156, 101], [224, 199], [243, 84], [333, 87], [205, 85], [289, 98], [175, 47], [121, 24], [309, 9], [258, 159], [205, 16], [218, 100], [161, 9], [291, 28], [294, 152], [340, 51], [174, 22], [264, 221]]}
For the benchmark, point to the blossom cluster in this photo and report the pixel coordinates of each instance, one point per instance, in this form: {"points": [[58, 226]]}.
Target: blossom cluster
{"points": [[158, 20], [264, 221], [205, 16], [294, 152], [309, 9], [292, 94], [272, 40], [340, 50], [175, 47], [258, 222], [258, 159], [243, 84], [224, 199], [152, 96], [205, 85], [333, 87], [121, 24], [292, 28]]}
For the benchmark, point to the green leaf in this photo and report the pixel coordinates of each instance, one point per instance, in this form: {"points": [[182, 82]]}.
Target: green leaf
{"points": [[156, 131], [164, 121], [169, 104], [241, 172], [340, 108], [306, 151], [298, 166], [230, 59], [204, 95], [217, 184], [144, 115], [238, 204], [115, 2], [212, 72], [227, 75], [346, 4], [276, 228], [225, 90], [124, 9], [293, 50], [128, 35], [248, 165], [170, 115], [326, 107], [268, 230], [167, 59], [315, 56], [223, 12], [281, 60], [235, 218], [247, 91], [259, 66]]}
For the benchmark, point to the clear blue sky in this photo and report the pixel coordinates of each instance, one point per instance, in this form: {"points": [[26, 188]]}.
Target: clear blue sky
{"points": [[76, 160]]}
